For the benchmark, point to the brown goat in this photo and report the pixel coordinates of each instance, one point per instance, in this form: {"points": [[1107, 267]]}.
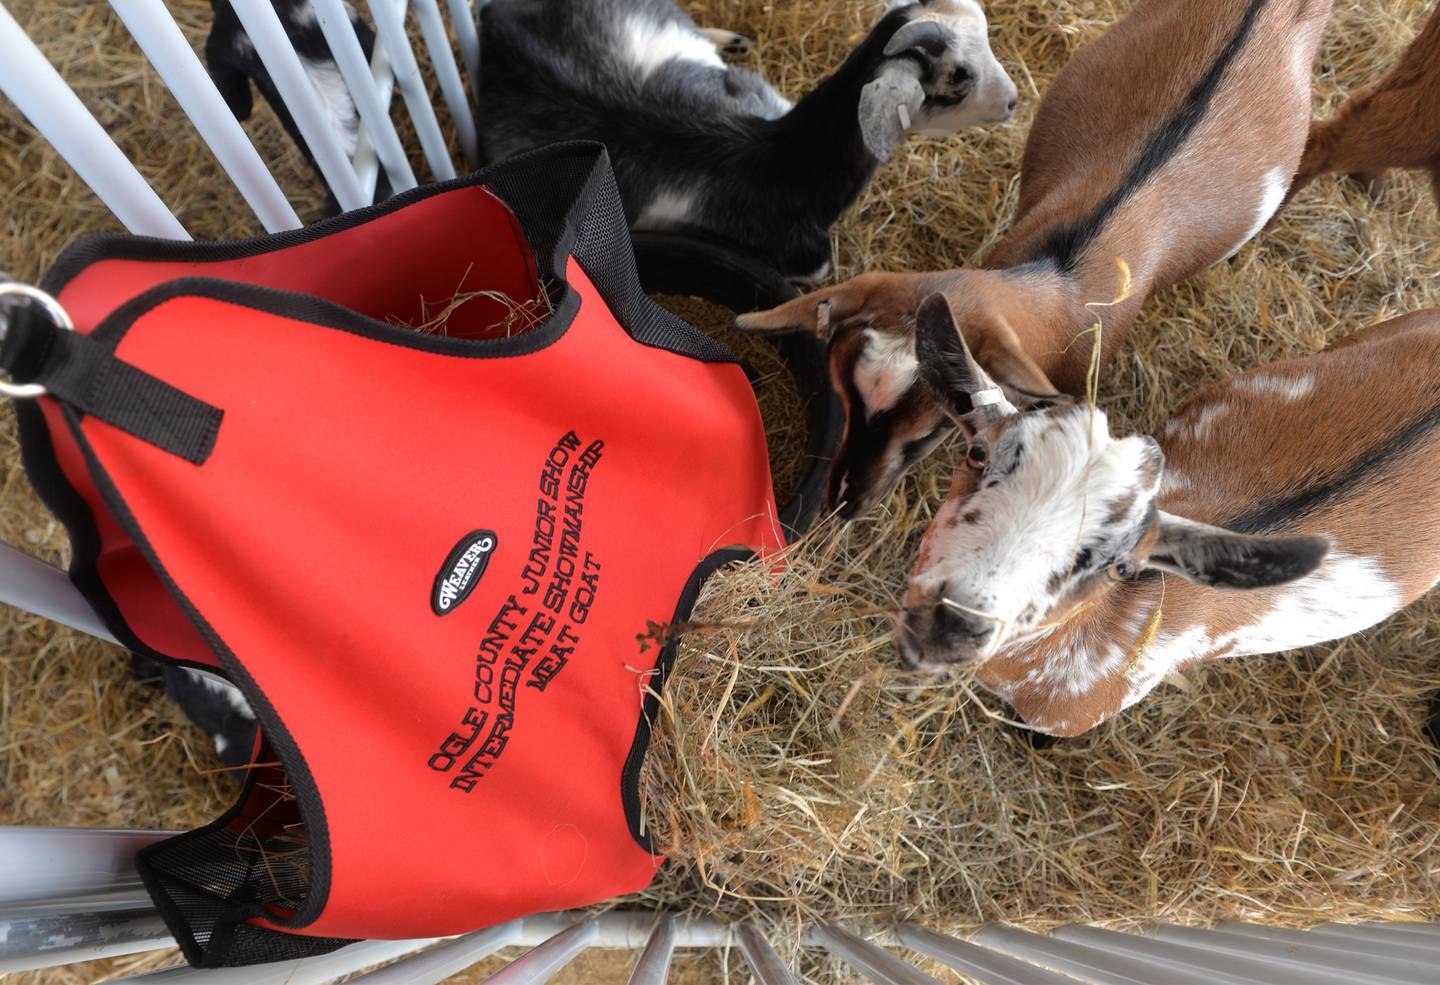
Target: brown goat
{"points": [[1168, 142], [1394, 124], [1072, 570]]}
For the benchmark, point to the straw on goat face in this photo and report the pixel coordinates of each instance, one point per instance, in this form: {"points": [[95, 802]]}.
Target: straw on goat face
{"points": [[1291, 790]]}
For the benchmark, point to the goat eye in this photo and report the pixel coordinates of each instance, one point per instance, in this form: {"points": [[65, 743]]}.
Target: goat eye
{"points": [[1122, 571], [977, 456]]}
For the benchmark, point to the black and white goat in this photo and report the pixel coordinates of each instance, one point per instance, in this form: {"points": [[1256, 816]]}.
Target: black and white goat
{"points": [[711, 149], [234, 64]]}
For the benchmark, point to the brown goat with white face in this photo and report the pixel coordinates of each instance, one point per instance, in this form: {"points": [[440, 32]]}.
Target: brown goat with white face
{"points": [[1169, 142], [1393, 124], [1072, 570]]}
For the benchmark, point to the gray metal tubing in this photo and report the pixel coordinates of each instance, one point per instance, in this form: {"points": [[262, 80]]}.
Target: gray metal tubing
{"points": [[1413, 948], [539, 965], [881, 967], [72, 865], [973, 961], [1310, 963], [33, 585], [438, 964], [1178, 961], [464, 20], [306, 971], [372, 100], [1405, 934], [654, 963], [761, 957], [1067, 957], [1397, 927], [447, 74], [45, 941], [287, 72]]}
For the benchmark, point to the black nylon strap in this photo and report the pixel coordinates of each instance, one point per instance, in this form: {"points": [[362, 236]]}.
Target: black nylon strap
{"points": [[86, 375]]}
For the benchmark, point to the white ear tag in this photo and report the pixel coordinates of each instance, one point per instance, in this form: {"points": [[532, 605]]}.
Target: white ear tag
{"points": [[904, 116], [987, 397]]}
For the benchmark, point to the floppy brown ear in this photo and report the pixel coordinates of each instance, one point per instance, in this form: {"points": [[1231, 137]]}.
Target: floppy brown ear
{"points": [[1000, 354], [817, 312]]}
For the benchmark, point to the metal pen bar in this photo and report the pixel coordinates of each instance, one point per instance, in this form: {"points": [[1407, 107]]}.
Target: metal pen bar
{"points": [[389, 17], [371, 100], [1410, 949], [1174, 961], [438, 964], [437, 41], [32, 83], [539, 965], [54, 865], [1313, 964], [1066, 957], [1396, 927], [165, 46], [1400, 933], [463, 18], [881, 967], [262, 24], [367, 165], [33, 585], [973, 961], [46, 940], [653, 965], [305, 971], [763, 961]]}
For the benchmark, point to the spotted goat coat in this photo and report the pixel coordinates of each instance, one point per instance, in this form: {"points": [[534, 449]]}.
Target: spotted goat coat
{"points": [[1344, 443]]}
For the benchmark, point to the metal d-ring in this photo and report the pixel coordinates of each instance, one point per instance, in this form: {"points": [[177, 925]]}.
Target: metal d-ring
{"points": [[52, 308]]}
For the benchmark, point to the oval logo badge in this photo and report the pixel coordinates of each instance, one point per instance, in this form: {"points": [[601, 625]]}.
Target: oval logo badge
{"points": [[462, 570]]}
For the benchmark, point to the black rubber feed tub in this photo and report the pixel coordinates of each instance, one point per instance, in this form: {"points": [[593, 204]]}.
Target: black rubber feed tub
{"points": [[671, 264]]}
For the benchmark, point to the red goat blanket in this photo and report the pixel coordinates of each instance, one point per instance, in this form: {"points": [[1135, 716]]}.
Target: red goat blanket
{"points": [[428, 560]]}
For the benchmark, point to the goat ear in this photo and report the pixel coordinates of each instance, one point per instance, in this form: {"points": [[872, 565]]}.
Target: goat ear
{"points": [[946, 366], [1000, 352], [922, 33], [888, 107], [816, 312], [1220, 558]]}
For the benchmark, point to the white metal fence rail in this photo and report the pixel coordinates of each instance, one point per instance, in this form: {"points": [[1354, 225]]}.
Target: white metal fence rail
{"points": [[73, 895]]}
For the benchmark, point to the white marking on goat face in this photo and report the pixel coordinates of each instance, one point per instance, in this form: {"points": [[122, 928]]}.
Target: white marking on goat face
{"points": [[968, 60], [885, 371], [1272, 192], [1057, 504], [1269, 385], [649, 45]]}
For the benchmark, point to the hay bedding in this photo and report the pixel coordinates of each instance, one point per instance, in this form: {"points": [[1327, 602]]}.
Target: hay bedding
{"points": [[797, 774]]}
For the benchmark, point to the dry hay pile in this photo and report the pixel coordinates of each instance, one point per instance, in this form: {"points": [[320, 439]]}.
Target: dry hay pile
{"points": [[797, 774]]}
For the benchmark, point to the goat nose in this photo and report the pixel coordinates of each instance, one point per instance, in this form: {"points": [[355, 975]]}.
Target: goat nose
{"points": [[1010, 106], [953, 627]]}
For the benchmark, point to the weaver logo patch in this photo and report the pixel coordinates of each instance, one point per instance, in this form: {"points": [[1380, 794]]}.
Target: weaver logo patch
{"points": [[462, 571]]}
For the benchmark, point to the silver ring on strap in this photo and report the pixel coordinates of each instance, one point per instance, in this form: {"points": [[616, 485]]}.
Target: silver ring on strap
{"points": [[58, 315]]}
